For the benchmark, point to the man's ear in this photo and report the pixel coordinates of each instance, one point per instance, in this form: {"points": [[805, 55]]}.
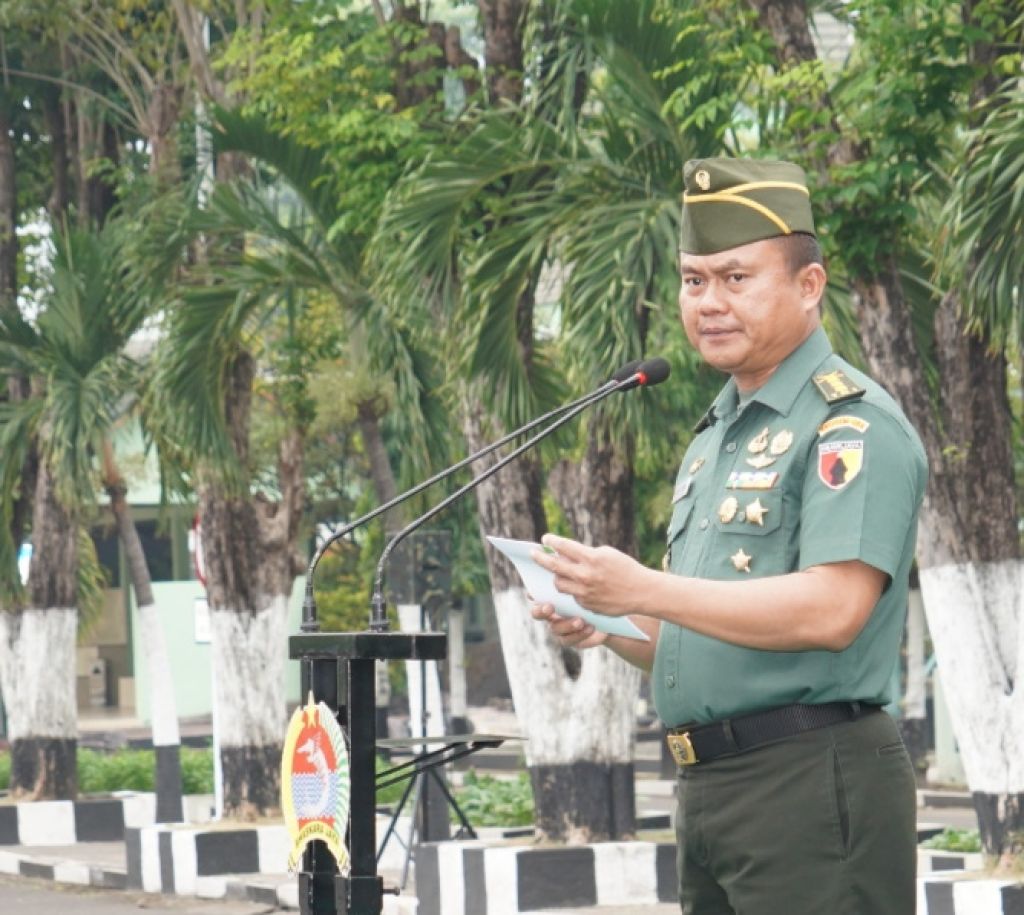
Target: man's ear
{"points": [[812, 279]]}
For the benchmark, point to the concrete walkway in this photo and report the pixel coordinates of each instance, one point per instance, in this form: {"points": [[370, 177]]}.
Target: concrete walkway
{"points": [[104, 863]]}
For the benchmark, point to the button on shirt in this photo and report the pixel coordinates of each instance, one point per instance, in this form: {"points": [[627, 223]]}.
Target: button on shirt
{"points": [[788, 482]]}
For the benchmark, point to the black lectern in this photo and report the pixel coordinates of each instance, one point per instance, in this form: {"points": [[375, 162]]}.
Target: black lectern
{"points": [[338, 667]]}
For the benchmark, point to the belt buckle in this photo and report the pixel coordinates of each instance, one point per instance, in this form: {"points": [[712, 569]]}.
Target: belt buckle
{"points": [[682, 749]]}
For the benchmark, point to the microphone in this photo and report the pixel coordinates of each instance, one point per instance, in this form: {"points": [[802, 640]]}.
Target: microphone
{"points": [[646, 374], [626, 373]]}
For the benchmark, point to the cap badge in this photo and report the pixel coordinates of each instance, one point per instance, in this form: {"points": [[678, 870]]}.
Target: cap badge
{"points": [[703, 179]]}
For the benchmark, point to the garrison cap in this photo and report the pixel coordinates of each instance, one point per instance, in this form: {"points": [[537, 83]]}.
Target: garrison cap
{"points": [[732, 202]]}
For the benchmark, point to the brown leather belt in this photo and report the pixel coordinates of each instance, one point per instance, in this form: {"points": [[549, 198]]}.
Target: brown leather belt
{"points": [[701, 743]]}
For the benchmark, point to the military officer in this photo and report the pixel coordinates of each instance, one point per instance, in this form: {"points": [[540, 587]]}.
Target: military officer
{"points": [[776, 626]]}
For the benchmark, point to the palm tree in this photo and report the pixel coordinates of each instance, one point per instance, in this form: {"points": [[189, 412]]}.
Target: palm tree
{"points": [[86, 387], [261, 309], [581, 181]]}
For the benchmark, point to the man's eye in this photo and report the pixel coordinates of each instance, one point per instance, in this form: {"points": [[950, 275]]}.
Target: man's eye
{"points": [[736, 277], [692, 281]]}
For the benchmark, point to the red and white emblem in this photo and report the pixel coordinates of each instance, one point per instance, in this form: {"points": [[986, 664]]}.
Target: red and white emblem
{"points": [[315, 783], [839, 462]]}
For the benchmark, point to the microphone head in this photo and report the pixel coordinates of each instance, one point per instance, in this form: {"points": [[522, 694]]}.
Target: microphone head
{"points": [[653, 371], [627, 371]]}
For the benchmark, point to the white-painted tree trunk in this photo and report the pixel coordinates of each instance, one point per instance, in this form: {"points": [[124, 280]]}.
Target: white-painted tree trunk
{"points": [[578, 730], [163, 712], [564, 720], [37, 676], [974, 612], [915, 704], [37, 672], [249, 653]]}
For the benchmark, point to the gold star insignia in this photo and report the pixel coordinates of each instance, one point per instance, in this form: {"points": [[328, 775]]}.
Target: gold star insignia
{"points": [[755, 512], [741, 561], [759, 442], [727, 510]]}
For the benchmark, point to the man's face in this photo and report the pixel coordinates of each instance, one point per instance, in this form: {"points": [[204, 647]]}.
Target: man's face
{"points": [[745, 311]]}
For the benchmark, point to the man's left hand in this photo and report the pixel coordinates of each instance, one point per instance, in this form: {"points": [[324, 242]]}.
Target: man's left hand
{"points": [[601, 578]]}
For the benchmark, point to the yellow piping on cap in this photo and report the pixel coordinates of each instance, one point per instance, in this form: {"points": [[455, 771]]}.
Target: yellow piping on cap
{"points": [[726, 197], [766, 185]]}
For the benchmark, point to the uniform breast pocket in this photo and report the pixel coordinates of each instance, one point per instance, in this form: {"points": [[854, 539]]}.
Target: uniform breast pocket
{"points": [[749, 534], [676, 528]]}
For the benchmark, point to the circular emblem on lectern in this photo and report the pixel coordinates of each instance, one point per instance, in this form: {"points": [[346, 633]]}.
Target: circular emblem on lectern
{"points": [[315, 783]]}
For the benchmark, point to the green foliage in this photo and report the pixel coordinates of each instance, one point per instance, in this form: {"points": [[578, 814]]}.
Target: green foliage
{"points": [[490, 801], [196, 771], [135, 770], [324, 75], [130, 770], [955, 840]]}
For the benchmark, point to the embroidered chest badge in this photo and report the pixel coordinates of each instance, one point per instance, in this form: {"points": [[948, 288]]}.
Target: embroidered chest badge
{"points": [[839, 462]]}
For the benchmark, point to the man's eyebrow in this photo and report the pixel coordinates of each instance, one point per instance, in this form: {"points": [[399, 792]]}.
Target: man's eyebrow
{"points": [[728, 267]]}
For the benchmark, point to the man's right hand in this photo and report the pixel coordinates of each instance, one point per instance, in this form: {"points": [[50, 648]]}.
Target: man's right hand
{"points": [[572, 632]]}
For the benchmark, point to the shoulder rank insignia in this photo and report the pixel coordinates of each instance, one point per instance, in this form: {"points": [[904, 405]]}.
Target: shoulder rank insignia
{"points": [[836, 387]]}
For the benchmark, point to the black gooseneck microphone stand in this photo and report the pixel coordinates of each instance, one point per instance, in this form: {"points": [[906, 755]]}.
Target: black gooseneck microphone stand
{"points": [[338, 668]]}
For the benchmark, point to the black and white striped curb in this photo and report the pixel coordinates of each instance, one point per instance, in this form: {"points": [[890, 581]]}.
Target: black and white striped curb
{"points": [[60, 870], [474, 878], [176, 859], [38, 823]]}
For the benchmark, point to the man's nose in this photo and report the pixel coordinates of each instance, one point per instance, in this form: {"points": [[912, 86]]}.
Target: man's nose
{"points": [[712, 302]]}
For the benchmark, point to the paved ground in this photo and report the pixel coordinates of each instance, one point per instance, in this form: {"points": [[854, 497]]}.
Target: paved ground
{"points": [[21, 894], [25, 895]]}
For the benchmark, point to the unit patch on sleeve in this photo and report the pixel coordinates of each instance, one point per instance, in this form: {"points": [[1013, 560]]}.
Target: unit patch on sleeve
{"points": [[839, 462], [843, 422]]}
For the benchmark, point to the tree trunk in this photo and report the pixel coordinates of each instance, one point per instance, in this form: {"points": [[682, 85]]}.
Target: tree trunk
{"points": [[503, 22], [37, 658], [251, 562], [56, 125], [914, 722], [162, 706], [968, 552], [576, 710], [596, 495], [8, 209], [368, 418], [162, 115]]}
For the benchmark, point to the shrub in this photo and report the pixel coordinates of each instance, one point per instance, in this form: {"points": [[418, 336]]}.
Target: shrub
{"points": [[955, 840], [130, 770], [490, 801], [196, 771]]}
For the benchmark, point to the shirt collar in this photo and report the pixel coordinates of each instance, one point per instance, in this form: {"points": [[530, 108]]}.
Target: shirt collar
{"points": [[781, 390]]}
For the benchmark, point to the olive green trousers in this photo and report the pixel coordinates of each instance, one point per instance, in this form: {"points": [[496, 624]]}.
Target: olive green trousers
{"points": [[823, 823]]}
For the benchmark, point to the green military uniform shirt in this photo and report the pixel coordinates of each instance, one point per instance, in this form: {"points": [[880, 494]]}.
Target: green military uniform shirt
{"points": [[819, 466]]}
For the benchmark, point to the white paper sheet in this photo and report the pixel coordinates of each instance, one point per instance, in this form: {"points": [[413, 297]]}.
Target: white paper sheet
{"points": [[540, 585]]}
